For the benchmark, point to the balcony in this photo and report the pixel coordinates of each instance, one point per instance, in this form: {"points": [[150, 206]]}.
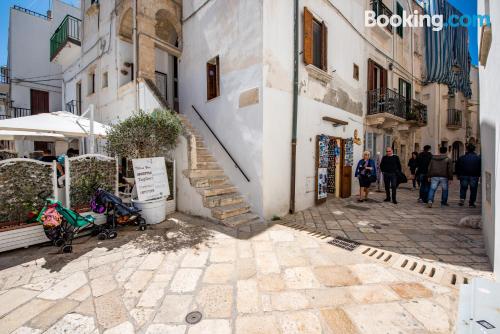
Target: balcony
{"points": [[454, 119], [74, 107], [65, 43], [387, 108], [418, 113], [380, 8], [15, 113]]}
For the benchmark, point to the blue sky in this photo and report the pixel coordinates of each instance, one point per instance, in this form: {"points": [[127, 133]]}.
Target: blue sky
{"points": [[41, 6]]}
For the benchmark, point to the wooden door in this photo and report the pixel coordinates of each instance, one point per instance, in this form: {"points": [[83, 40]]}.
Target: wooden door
{"points": [[346, 175], [39, 102]]}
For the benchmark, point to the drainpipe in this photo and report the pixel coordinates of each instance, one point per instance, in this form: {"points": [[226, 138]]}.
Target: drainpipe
{"points": [[135, 46], [295, 102]]}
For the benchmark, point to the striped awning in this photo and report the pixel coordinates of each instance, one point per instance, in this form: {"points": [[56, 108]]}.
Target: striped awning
{"points": [[447, 51]]}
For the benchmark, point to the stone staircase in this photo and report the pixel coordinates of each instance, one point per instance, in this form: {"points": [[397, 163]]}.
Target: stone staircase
{"points": [[227, 205], [223, 199]]}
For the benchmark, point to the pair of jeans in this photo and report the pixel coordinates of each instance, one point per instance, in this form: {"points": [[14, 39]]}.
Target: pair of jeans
{"points": [[390, 183], [424, 187], [435, 183], [466, 182]]}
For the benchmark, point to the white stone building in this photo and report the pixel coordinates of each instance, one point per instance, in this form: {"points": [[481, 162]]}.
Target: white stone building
{"points": [[34, 82], [233, 76], [489, 57]]}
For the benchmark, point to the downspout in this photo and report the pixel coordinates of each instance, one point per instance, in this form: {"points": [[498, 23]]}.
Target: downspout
{"points": [[135, 54], [295, 103]]}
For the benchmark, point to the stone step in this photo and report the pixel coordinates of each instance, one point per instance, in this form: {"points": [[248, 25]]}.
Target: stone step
{"points": [[202, 151], [205, 182], [207, 165], [222, 189], [239, 220], [205, 172], [205, 158], [228, 211], [222, 200]]}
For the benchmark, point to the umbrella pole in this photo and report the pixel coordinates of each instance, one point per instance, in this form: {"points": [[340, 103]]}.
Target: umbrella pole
{"points": [[91, 137]]}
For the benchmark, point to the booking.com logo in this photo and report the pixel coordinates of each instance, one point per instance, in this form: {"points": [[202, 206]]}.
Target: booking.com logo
{"points": [[417, 20]]}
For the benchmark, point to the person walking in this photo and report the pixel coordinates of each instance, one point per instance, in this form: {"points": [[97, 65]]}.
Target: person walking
{"points": [[468, 170], [412, 164], [440, 172], [366, 172], [390, 167], [423, 161]]}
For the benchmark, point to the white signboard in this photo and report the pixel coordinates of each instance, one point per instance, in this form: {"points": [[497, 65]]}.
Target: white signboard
{"points": [[151, 178]]}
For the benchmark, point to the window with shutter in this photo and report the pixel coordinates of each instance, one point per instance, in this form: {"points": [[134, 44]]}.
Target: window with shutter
{"points": [[315, 41], [399, 12], [213, 74]]}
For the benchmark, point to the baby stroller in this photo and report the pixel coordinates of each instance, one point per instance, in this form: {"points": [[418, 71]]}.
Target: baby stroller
{"points": [[62, 225], [116, 211]]}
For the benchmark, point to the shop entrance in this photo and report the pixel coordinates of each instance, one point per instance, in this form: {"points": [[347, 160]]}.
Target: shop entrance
{"points": [[334, 159]]}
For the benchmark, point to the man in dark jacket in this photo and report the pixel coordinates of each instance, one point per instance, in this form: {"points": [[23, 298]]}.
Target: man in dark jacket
{"points": [[390, 167], [423, 161], [440, 172], [468, 170]]}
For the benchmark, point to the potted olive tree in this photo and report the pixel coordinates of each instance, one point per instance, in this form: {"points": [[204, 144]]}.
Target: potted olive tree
{"points": [[146, 135]]}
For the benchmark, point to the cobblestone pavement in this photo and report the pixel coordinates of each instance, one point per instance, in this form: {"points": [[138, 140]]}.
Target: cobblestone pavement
{"points": [[407, 228], [265, 279]]}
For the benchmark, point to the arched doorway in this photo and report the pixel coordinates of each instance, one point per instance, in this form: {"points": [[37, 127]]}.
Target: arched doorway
{"points": [[166, 64]]}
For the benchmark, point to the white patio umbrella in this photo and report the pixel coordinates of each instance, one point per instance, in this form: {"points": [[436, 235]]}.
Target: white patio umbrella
{"points": [[29, 135], [60, 122]]}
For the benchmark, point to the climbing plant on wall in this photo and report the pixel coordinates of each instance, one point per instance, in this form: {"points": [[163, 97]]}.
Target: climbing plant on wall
{"points": [[21, 183], [87, 174]]}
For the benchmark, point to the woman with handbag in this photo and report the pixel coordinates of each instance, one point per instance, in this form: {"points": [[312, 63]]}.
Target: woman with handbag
{"points": [[366, 172]]}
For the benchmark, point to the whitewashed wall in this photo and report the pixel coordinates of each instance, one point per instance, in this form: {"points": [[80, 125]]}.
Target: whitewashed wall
{"points": [[490, 138], [233, 31]]}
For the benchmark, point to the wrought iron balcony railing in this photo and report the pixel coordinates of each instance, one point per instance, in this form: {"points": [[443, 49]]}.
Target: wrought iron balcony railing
{"points": [[30, 12], [68, 31], [454, 118], [74, 107], [380, 8], [385, 100], [418, 113], [19, 112]]}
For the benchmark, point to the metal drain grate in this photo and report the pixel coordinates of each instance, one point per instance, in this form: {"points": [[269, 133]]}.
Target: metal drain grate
{"points": [[193, 317], [344, 243]]}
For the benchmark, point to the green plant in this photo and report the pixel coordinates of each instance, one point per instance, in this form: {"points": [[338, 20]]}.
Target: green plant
{"points": [[145, 135]]}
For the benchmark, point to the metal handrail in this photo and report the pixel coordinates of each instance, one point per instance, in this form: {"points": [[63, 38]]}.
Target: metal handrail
{"points": [[30, 12], [221, 144], [68, 30]]}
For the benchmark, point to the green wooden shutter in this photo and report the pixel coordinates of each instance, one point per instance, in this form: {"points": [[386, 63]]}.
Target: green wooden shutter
{"points": [[399, 12]]}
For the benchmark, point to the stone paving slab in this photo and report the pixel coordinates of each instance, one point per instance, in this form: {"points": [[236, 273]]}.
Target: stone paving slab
{"points": [[409, 228], [265, 278]]}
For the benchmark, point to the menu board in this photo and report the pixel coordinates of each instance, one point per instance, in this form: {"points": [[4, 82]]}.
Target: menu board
{"points": [[151, 178]]}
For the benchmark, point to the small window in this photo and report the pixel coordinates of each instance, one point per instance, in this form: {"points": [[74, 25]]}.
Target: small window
{"points": [[213, 78], [399, 11], [105, 80], [315, 41], [355, 72], [91, 83]]}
